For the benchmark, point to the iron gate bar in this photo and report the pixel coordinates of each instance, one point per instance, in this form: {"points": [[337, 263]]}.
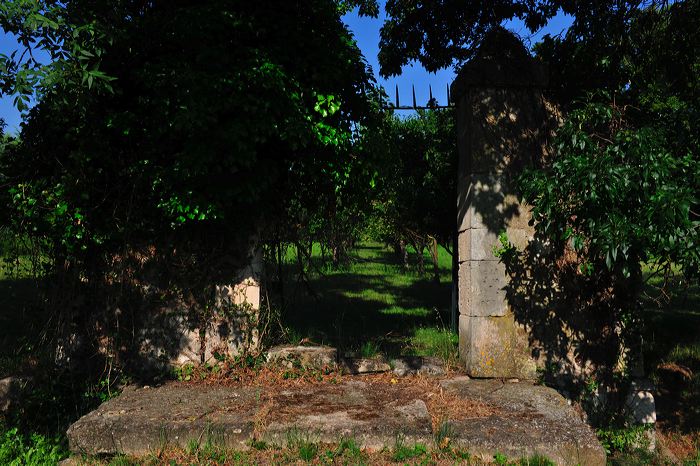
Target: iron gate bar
{"points": [[432, 102]]}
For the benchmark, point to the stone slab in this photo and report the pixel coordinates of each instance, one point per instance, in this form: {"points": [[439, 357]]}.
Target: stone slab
{"points": [[532, 420], [517, 419], [418, 365], [354, 410], [357, 366], [147, 420], [311, 357]]}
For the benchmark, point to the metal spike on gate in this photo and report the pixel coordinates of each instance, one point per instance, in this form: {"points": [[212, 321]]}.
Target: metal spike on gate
{"points": [[431, 105]]}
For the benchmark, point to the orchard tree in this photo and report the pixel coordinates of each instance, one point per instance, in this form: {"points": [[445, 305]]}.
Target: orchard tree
{"points": [[416, 183]]}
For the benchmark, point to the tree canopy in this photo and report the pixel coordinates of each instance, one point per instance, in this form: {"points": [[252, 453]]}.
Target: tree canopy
{"points": [[413, 203], [441, 34], [159, 117]]}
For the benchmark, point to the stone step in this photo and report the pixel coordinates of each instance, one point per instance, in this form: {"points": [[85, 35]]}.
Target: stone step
{"points": [[326, 357], [484, 417]]}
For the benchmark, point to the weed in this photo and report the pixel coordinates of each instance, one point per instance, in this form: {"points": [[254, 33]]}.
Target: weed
{"points": [[122, 460], [693, 461], [402, 452], [536, 460], [293, 336], [258, 444], [16, 449], [214, 436], [302, 443], [192, 447], [348, 448], [506, 250], [184, 373], [369, 350], [213, 453], [444, 434], [462, 455], [500, 459], [624, 439], [308, 451], [163, 439], [102, 390], [440, 342]]}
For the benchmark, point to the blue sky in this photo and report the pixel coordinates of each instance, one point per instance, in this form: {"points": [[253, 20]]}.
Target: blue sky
{"points": [[366, 31]]}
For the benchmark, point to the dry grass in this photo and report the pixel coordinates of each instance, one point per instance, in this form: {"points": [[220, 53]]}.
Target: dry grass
{"points": [[323, 391]]}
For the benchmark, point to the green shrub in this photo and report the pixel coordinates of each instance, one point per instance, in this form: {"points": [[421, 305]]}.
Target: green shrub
{"points": [[623, 439], [36, 450], [402, 452]]}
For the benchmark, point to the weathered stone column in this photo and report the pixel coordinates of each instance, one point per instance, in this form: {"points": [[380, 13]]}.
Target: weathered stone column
{"points": [[232, 327], [500, 110]]}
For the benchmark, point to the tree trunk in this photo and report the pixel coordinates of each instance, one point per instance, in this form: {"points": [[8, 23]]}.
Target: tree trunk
{"points": [[404, 253], [434, 257]]}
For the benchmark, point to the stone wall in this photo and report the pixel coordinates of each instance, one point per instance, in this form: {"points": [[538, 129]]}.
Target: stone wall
{"points": [[503, 122], [227, 325]]}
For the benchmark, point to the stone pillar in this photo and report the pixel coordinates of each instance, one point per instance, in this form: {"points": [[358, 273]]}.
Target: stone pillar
{"points": [[232, 326], [500, 110]]}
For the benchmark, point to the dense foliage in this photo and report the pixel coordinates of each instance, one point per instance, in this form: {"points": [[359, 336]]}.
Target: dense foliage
{"points": [[624, 182], [626, 177], [619, 193], [160, 122], [440, 34]]}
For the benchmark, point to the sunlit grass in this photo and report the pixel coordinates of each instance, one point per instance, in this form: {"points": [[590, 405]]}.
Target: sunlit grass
{"points": [[375, 299], [435, 341], [398, 310]]}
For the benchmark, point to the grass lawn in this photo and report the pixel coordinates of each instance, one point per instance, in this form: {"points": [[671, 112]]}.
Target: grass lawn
{"points": [[373, 305]]}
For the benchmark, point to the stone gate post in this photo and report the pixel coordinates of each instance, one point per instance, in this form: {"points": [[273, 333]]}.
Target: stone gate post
{"points": [[500, 112]]}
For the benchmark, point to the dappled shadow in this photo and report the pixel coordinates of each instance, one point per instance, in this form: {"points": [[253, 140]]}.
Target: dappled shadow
{"points": [[142, 308], [571, 318], [672, 355], [22, 320], [347, 309]]}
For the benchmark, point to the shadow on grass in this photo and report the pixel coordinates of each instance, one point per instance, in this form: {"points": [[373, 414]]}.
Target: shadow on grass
{"points": [[22, 319], [374, 300], [672, 353]]}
